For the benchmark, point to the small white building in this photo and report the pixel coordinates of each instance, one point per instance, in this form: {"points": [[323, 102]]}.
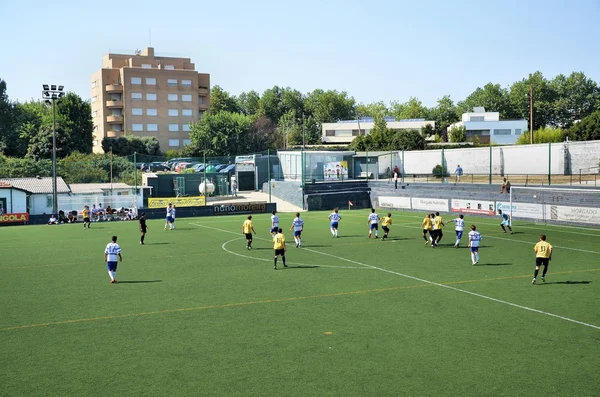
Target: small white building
{"points": [[115, 195], [344, 132], [38, 193], [488, 127], [12, 199]]}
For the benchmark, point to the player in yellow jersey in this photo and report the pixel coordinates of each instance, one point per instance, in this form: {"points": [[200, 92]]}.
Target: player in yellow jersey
{"points": [[543, 255], [437, 229], [427, 226], [279, 247], [86, 217], [386, 221], [248, 229]]}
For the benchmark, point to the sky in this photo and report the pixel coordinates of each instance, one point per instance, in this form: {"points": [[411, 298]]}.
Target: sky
{"points": [[375, 50]]}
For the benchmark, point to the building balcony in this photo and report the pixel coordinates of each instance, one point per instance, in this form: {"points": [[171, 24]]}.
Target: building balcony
{"points": [[114, 88], [203, 106], [202, 91], [113, 134], [114, 104], [114, 119]]}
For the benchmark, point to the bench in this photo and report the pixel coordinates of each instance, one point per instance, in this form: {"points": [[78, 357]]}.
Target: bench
{"points": [[365, 175]]}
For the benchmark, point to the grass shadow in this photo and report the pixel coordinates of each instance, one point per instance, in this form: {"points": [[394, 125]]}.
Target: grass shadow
{"points": [[568, 282], [157, 243], [139, 281], [299, 267], [496, 264], [315, 246]]}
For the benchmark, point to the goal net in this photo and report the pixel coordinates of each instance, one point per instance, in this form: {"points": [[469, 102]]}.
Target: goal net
{"points": [[576, 206]]}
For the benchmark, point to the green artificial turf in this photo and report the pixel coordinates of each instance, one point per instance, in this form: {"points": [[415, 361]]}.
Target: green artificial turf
{"points": [[195, 313]]}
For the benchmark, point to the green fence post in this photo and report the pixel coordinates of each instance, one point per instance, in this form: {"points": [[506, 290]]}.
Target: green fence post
{"points": [[490, 165], [403, 170], [367, 160], [205, 182], [443, 167], [269, 172], [549, 163], [135, 177]]}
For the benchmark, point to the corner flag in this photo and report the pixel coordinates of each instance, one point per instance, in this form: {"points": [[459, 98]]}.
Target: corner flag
{"points": [[350, 204]]}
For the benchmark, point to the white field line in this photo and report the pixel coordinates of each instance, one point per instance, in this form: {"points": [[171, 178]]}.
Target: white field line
{"points": [[439, 285], [263, 259]]}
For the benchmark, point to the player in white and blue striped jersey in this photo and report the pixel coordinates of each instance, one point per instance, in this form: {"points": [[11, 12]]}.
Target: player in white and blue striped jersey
{"points": [[298, 226], [334, 219], [474, 241], [458, 228], [274, 223], [373, 223]]}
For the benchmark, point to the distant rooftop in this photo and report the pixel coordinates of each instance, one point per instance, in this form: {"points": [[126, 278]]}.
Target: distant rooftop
{"points": [[388, 119]]}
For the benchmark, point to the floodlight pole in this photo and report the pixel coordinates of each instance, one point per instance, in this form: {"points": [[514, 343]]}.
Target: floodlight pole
{"points": [[50, 94]]}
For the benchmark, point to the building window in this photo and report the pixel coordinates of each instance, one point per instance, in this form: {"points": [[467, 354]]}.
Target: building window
{"points": [[330, 133], [137, 127], [94, 84], [151, 112], [502, 132], [49, 202], [136, 80], [186, 83], [477, 118], [137, 112], [136, 96], [94, 99], [187, 112], [201, 113], [186, 98], [117, 128], [472, 133], [357, 132], [169, 67], [518, 131], [200, 100], [185, 127], [173, 112], [173, 97], [172, 82], [187, 142], [174, 127], [146, 66], [150, 97], [151, 127], [150, 81], [173, 142]]}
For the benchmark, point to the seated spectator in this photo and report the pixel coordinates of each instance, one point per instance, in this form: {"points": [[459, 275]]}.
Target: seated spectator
{"points": [[505, 187], [52, 220], [72, 218], [94, 213]]}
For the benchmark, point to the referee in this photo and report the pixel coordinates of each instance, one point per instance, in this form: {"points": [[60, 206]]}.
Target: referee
{"points": [[543, 256], [143, 228]]}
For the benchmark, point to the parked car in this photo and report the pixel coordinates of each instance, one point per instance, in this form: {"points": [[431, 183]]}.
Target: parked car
{"points": [[229, 169], [171, 163], [141, 166], [181, 166], [220, 167], [156, 166]]}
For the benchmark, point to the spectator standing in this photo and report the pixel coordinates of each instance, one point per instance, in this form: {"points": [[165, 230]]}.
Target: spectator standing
{"points": [[458, 172], [505, 187]]}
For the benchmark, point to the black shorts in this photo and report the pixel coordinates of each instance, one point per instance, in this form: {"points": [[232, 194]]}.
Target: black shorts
{"points": [[86, 219], [248, 236], [385, 229], [425, 231], [143, 229], [542, 261], [280, 252]]}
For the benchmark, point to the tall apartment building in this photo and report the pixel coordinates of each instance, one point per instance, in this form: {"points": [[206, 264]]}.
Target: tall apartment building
{"points": [[148, 95]]}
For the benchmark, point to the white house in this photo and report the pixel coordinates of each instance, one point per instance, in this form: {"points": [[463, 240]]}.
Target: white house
{"points": [[12, 199], [488, 127], [38, 193], [344, 132]]}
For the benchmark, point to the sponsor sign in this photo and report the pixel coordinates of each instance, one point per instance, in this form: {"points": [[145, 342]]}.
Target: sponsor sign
{"points": [[14, 218], [574, 214], [394, 202], [163, 202], [473, 207], [335, 171], [240, 208], [429, 204], [522, 210]]}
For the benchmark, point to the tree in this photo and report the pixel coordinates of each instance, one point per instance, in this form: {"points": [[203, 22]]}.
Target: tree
{"points": [[221, 101], [11, 167], [330, 106], [408, 140], [576, 97], [249, 103], [413, 109], [8, 133], [543, 100], [127, 145], [587, 129], [458, 134], [75, 116], [543, 135], [221, 134], [492, 97], [444, 114], [79, 168], [372, 110]]}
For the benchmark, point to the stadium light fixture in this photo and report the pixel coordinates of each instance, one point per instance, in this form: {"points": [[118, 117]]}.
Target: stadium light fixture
{"points": [[50, 94]]}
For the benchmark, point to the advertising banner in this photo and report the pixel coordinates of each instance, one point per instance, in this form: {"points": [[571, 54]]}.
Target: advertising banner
{"points": [[522, 210], [14, 218], [163, 202], [394, 202], [335, 171], [429, 204], [240, 208], [473, 207], [574, 214]]}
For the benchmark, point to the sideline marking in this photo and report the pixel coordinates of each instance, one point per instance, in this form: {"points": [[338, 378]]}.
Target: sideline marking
{"points": [[441, 285], [291, 263]]}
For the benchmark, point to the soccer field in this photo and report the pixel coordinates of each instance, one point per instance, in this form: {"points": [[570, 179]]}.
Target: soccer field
{"points": [[195, 313]]}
